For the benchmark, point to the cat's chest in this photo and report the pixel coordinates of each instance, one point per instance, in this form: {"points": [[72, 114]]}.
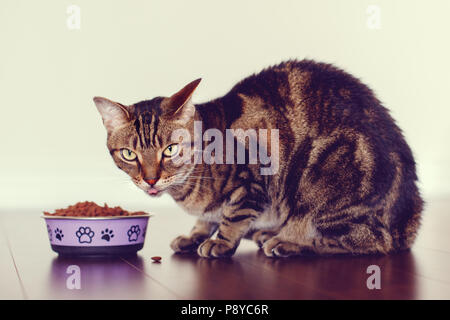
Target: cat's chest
{"points": [[199, 210]]}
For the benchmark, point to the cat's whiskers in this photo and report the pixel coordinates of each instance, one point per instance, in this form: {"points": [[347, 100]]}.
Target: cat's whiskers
{"points": [[201, 177]]}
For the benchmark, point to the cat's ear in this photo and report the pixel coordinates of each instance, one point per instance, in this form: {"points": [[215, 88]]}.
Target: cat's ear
{"points": [[181, 102], [113, 114]]}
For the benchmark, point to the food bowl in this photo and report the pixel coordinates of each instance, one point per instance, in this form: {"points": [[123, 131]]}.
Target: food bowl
{"points": [[96, 236]]}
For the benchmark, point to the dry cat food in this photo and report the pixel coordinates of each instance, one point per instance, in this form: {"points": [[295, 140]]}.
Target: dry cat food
{"points": [[91, 209]]}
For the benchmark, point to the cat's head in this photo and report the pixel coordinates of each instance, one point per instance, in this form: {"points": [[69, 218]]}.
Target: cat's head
{"points": [[140, 138]]}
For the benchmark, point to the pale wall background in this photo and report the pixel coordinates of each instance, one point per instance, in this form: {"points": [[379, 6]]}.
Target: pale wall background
{"points": [[53, 149]]}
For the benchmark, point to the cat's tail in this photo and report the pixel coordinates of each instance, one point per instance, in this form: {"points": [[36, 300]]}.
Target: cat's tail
{"points": [[404, 232]]}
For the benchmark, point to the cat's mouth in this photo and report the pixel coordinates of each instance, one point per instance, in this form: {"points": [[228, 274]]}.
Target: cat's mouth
{"points": [[154, 191]]}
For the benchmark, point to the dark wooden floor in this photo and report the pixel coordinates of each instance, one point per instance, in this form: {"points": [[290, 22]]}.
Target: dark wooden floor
{"points": [[30, 270]]}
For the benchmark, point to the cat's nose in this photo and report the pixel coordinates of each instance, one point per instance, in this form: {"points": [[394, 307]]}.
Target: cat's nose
{"points": [[151, 181]]}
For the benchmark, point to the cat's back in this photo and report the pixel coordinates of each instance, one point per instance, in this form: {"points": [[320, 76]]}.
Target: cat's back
{"points": [[312, 100], [304, 83], [306, 94]]}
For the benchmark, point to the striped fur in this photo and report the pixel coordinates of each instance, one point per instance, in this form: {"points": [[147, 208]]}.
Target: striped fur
{"points": [[346, 182]]}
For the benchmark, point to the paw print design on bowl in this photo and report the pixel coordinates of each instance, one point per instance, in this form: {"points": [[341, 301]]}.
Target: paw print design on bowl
{"points": [[85, 235], [133, 233], [59, 234], [107, 234], [97, 236]]}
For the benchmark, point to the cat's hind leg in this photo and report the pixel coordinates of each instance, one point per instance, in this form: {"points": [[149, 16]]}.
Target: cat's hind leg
{"points": [[261, 236], [356, 235], [294, 238]]}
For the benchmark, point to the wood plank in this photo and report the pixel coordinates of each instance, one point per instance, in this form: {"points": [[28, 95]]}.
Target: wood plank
{"points": [[345, 277], [192, 277], [421, 273], [196, 278], [44, 274]]}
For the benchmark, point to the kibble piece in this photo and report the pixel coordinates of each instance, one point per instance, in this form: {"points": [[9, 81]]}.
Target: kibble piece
{"points": [[156, 259]]}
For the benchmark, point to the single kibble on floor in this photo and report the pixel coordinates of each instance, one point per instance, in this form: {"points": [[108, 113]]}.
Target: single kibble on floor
{"points": [[91, 209], [156, 259]]}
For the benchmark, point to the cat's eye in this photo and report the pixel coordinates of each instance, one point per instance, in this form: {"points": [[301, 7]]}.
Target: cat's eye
{"points": [[128, 155], [171, 150]]}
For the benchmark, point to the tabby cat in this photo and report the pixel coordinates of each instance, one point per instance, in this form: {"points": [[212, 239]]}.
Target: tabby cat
{"points": [[346, 182]]}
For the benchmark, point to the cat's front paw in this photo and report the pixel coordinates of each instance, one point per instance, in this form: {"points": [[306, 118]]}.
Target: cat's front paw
{"points": [[185, 244], [215, 248]]}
